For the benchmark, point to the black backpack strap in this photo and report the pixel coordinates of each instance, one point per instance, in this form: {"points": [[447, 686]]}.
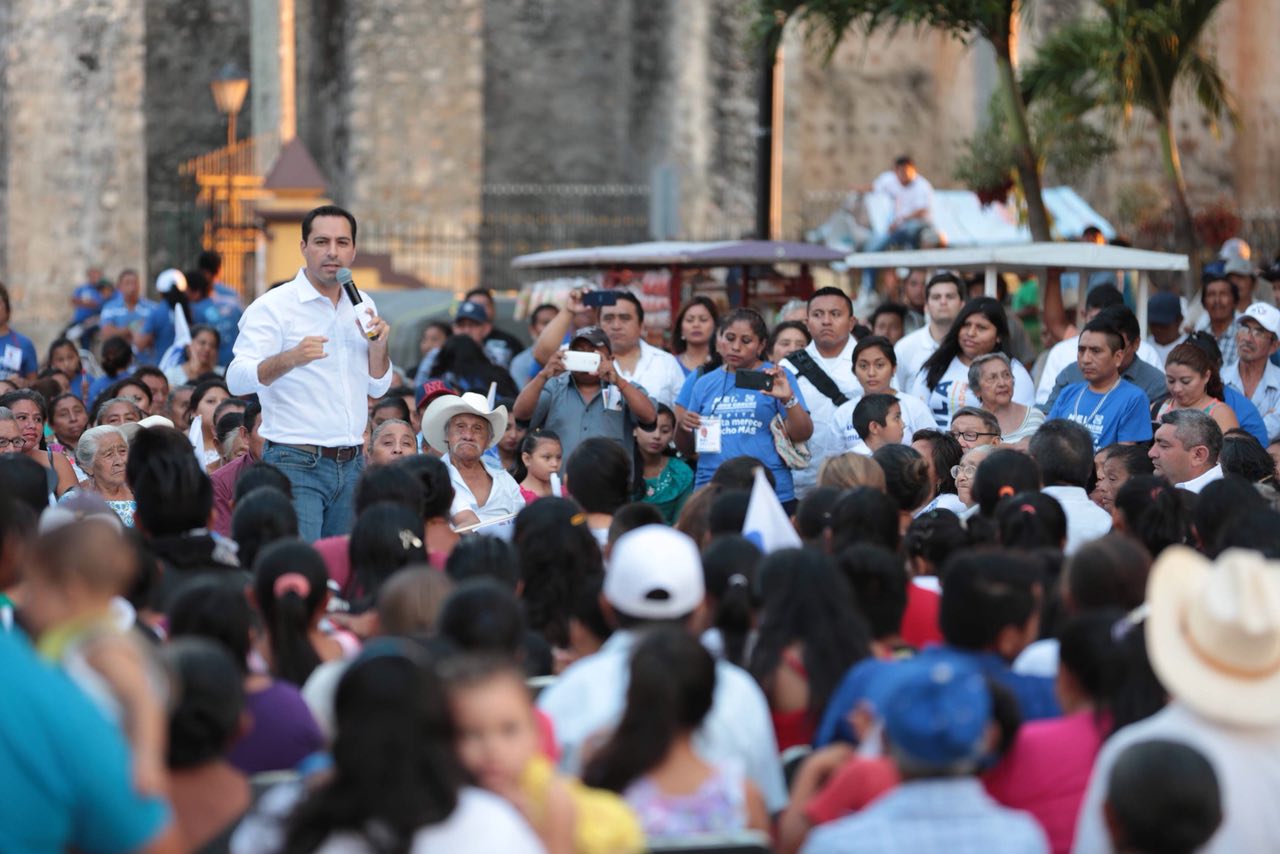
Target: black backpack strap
{"points": [[809, 369]]}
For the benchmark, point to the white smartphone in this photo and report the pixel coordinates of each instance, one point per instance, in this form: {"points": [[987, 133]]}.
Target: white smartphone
{"points": [[577, 360]]}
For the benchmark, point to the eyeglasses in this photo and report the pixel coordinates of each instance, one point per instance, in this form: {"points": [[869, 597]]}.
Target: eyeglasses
{"points": [[10, 443], [967, 471], [1252, 331], [970, 435]]}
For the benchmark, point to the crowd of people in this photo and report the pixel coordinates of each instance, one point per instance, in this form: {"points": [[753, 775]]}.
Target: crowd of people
{"points": [[818, 586]]}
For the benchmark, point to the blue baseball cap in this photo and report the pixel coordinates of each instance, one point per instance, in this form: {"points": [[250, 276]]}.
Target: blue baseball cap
{"points": [[935, 708], [1164, 307], [472, 311]]}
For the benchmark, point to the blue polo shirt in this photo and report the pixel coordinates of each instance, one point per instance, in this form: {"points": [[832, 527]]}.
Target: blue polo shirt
{"points": [[136, 320], [65, 772], [87, 292], [17, 356]]}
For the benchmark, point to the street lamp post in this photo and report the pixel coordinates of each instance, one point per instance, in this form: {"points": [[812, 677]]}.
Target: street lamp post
{"points": [[229, 89]]}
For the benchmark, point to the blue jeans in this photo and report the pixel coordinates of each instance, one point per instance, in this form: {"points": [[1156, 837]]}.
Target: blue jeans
{"points": [[323, 489], [906, 236]]}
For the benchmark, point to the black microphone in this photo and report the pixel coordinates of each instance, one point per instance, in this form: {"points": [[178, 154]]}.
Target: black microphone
{"points": [[353, 293]]}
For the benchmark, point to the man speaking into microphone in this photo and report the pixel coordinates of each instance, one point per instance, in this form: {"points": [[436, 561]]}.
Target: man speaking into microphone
{"points": [[303, 350]]}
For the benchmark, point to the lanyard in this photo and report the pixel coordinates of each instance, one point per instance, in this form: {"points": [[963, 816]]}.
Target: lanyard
{"points": [[1075, 414]]}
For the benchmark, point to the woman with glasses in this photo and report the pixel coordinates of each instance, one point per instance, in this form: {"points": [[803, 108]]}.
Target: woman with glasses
{"points": [[30, 412], [991, 378]]}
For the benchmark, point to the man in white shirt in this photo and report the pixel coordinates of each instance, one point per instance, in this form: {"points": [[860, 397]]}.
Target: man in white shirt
{"points": [[1213, 637], [637, 361], [1186, 448], [1257, 339], [943, 297], [655, 578], [1064, 452], [912, 197], [302, 350], [830, 355], [1164, 324]]}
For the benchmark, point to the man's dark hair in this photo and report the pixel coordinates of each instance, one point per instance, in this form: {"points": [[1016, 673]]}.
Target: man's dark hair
{"points": [[392, 402], [484, 557], [739, 473], [627, 296], [327, 210], [252, 412], [173, 494], [904, 160], [832, 292], [872, 409], [598, 475], [210, 262], [1103, 296], [546, 306], [1064, 451], [985, 593], [487, 293], [1193, 427], [895, 308], [150, 371], [943, 279], [1123, 319], [1106, 326]]}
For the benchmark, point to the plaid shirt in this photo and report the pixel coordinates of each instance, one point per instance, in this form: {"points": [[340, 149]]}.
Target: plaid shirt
{"points": [[948, 816]]}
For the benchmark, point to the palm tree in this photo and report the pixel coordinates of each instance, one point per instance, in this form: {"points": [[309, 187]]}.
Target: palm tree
{"points": [[996, 21], [1138, 55]]}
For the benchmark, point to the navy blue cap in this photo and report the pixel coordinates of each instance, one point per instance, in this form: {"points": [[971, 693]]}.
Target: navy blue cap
{"points": [[473, 311], [1164, 307]]}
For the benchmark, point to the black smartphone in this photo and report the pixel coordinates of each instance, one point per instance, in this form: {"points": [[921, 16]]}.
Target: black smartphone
{"points": [[596, 299], [758, 380]]}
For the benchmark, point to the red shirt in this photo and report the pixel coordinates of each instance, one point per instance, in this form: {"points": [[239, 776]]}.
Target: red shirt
{"points": [[224, 489], [920, 620]]}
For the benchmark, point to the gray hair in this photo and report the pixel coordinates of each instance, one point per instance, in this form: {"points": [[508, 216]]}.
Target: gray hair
{"points": [[1193, 427], [988, 420], [382, 428], [975, 369], [6, 414], [102, 408], [91, 441]]}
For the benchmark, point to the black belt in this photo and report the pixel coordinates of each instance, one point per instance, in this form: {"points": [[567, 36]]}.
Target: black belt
{"points": [[341, 455]]}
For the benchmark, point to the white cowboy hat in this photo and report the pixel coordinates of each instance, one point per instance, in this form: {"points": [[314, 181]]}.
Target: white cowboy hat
{"points": [[131, 428], [1213, 633], [436, 418]]}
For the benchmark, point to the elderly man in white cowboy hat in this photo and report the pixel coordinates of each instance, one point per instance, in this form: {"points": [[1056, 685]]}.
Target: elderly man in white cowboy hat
{"points": [[1213, 636], [462, 428]]}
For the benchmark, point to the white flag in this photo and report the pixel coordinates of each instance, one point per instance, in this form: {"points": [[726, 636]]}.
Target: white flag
{"points": [[181, 338], [196, 436], [766, 523]]}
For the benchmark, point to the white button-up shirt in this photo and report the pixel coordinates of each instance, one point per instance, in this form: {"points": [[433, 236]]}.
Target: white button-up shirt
{"points": [[1085, 520], [321, 403], [1198, 483], [590, 696], [657, 372], [829, 436], [1266, 396], [504, 496]]}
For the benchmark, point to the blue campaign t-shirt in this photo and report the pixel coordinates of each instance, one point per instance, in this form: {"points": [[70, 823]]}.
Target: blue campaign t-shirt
{"points": [[224, 316], [160, 326], [1120, 415], [17, 356], [744, 424], [136, 319], [66, 778], [86, 292]]}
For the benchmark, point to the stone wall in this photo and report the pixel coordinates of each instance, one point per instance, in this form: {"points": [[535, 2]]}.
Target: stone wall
{"points": [[73, 161], [187, 44]]}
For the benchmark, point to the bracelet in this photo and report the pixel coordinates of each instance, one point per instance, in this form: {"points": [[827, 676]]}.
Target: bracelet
{"points": [[793, 402]]}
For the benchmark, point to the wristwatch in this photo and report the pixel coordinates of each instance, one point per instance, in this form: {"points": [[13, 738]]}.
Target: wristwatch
{"points": [[794, 401]]}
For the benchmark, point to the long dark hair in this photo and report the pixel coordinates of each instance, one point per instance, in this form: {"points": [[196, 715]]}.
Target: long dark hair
{"points": [[463, 364], [678, 344], [671, 688], [386, 537], [906, 475], [1195, 358], [807, 600], [936, 365], [558, 555], [729, 564], [287, 605], [1153, 512], [395, 766]]}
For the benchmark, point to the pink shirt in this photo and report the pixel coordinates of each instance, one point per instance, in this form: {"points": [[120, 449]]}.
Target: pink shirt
{"points": [[1046, 771]]}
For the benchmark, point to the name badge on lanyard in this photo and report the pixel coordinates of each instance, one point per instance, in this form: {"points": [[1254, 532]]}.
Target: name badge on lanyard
{"points": [[11, 359], [707, 440]]}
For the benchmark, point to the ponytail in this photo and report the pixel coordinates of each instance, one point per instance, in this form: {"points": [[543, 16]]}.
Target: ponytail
{"points": [[290, 586]]}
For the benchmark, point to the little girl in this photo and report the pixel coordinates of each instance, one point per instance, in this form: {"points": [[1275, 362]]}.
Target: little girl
{"points": [[498, 743], [667, 480], [650, 757], [540, 456], [77, 570]]}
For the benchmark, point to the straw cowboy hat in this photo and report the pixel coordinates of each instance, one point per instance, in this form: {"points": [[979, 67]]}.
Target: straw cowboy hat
{"points": [[435, 420], [1213, 633]]}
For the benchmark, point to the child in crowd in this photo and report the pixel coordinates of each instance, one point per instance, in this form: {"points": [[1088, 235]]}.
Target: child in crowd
{"points": [[877, 421], [668, 482], [650, 757], [79, 565], [540, 458], [498, 743]]}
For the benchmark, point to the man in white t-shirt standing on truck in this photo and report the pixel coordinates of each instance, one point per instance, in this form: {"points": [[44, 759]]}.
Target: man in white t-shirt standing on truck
{"points": [[943, 297]]}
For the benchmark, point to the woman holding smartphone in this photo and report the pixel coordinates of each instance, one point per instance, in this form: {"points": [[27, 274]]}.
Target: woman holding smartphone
{"points": [[726, 412]]}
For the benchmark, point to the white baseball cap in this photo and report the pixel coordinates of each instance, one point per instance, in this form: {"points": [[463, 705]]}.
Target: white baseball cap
{"points": [[655, 573], [1268, 317], [170, 279]]}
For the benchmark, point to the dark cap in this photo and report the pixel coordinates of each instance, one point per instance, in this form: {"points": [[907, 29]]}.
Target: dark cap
{"points": [[594, 336], [1164, 307], [472, 311]]}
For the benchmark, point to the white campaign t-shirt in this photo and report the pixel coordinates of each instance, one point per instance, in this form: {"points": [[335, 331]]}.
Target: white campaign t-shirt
{"points": [[952, 391], [828, 435], [912, 352]]}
